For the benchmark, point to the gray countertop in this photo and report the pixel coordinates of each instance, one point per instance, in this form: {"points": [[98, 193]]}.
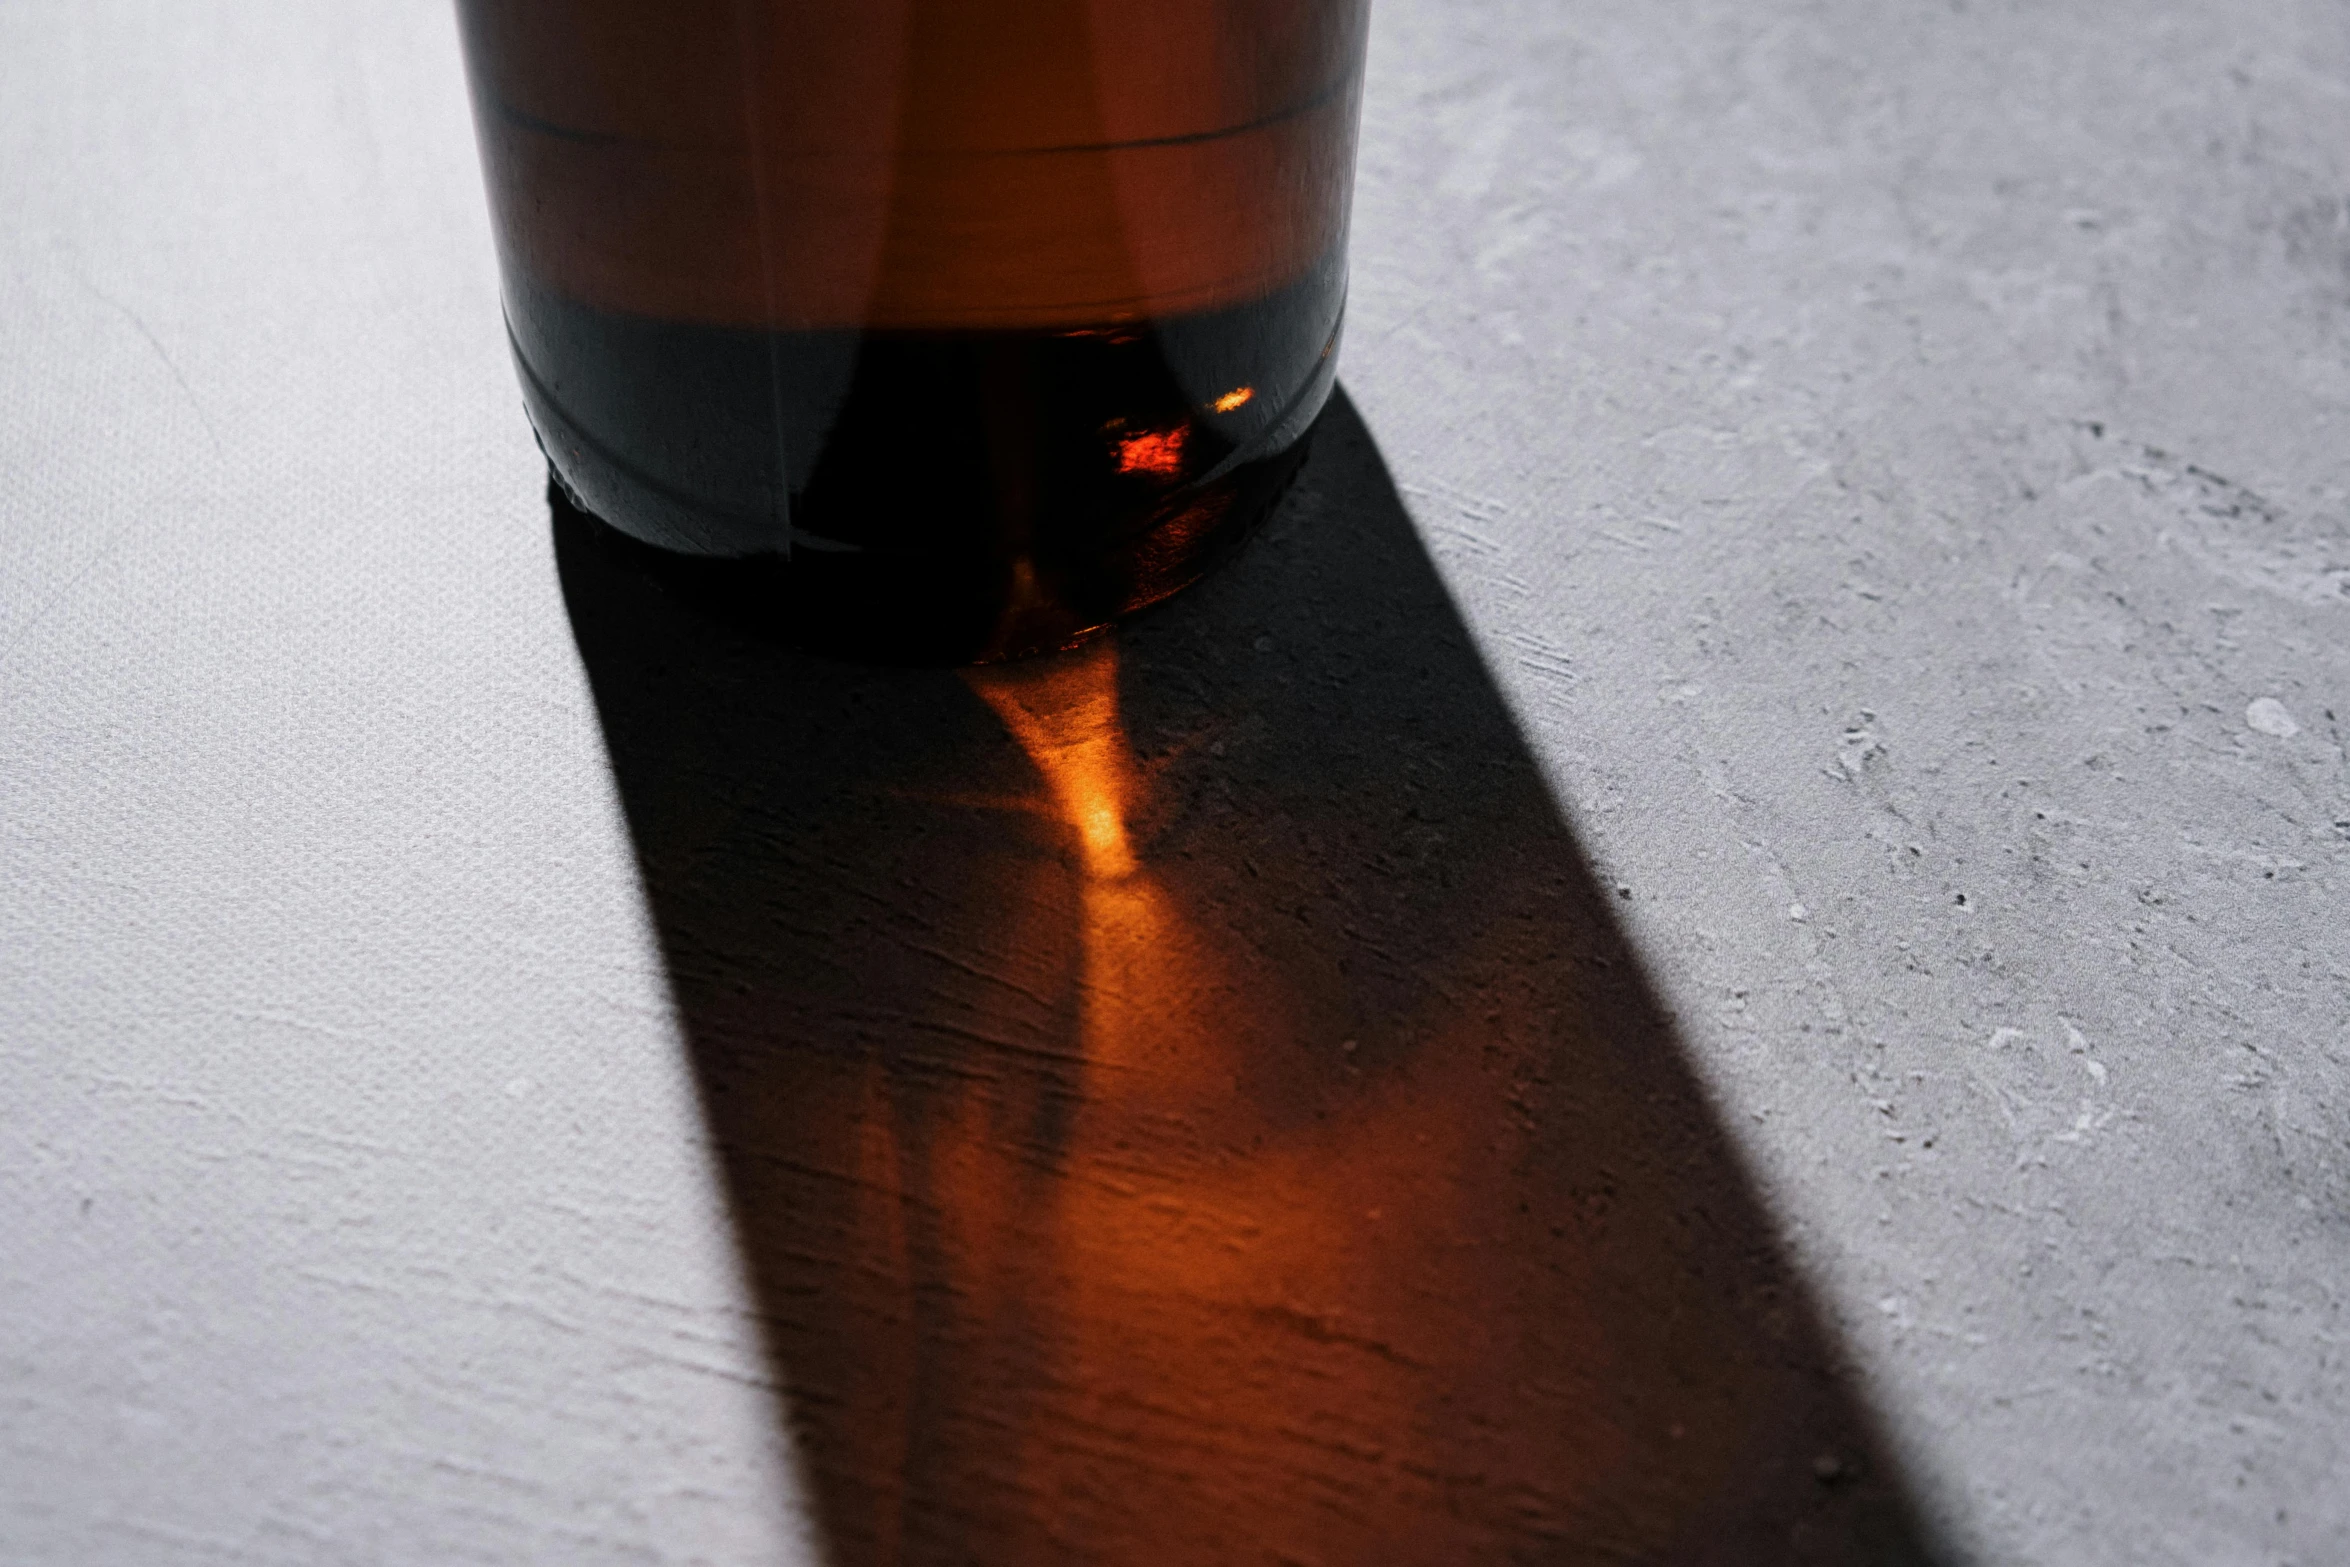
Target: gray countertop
{"points": [[1730, 958]]}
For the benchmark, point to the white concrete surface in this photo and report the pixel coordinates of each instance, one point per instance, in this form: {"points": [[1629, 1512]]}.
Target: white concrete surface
{"points": [[1889, 455]]}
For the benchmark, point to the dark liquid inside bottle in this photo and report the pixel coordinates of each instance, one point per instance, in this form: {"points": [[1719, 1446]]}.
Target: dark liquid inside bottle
{"points": [[929, 330]]}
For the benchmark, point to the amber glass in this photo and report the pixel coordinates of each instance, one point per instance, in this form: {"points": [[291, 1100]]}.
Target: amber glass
{"points": [[921, 329]]}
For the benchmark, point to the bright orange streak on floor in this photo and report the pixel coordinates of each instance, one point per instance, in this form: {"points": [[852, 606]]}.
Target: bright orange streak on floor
{"points": [[1064, 713], [1335, 1290]]}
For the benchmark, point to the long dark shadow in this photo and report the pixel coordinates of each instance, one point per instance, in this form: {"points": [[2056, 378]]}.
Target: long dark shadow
{"points": [[1190, 1101]]}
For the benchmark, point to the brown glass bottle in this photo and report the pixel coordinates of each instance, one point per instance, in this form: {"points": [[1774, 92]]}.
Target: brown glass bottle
{"points": [[922, 329]]}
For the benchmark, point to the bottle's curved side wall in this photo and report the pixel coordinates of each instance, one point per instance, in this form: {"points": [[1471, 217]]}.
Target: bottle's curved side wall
{"points": [[916, 164]]}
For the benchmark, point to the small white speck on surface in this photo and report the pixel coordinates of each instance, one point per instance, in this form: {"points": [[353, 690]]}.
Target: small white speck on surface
{"points": [[519, 1087], [1796, 911], [2268, 716]]}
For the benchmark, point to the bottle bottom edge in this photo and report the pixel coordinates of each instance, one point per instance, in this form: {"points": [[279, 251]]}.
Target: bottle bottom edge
{"points": [[901, 609]]}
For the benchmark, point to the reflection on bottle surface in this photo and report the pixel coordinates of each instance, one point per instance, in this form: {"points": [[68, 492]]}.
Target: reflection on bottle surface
{"points": [[922, 328]]}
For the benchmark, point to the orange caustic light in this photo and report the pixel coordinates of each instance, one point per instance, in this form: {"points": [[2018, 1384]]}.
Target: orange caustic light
{"points": [[1064, 713], [1236, 398], [1156, 452]]}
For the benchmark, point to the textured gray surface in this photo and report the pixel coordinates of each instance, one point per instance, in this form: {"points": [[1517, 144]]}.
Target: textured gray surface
{"points": [[1886, 455]]}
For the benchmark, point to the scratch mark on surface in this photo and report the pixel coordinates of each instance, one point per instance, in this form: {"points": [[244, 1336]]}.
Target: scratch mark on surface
{"points": [[140, 326], [50, 603], [972, 969]]}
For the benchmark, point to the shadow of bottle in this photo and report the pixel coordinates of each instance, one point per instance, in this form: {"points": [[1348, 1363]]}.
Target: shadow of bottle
{"points": [[1189, 1101]]}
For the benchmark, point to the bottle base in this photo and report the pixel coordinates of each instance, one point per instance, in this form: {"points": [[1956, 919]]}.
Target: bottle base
{"points": [[896, 610], [927, 497]]}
